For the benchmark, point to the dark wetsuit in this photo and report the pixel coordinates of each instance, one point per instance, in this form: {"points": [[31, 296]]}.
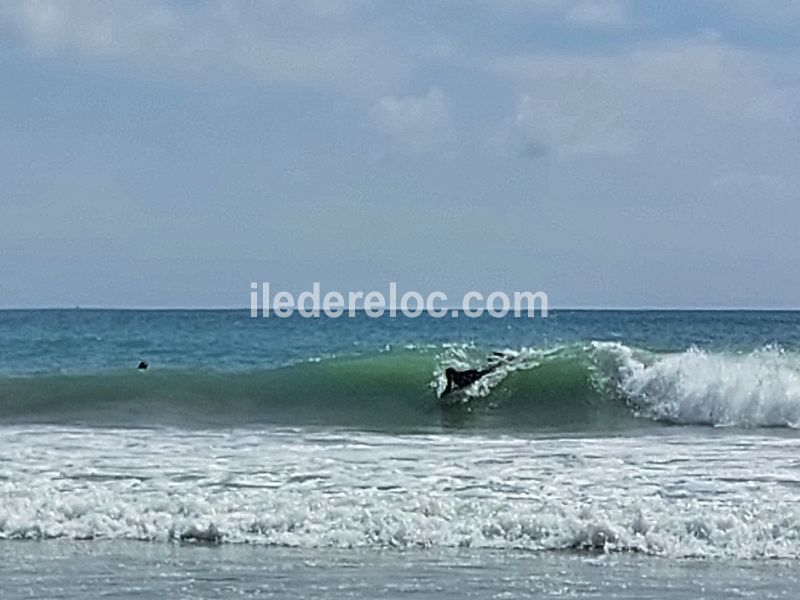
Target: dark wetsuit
{"points": [[461, 379]]}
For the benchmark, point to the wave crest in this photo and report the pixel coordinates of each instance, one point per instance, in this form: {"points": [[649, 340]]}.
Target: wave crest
{"points": [[598, 385], [757, 389]]}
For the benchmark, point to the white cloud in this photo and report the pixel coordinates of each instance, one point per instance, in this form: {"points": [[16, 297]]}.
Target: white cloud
{"points": [[721, 79], [765, 11], [599, 13], [308, 42], [571, 128], [419, 122], [579, 13], [590, 104]]}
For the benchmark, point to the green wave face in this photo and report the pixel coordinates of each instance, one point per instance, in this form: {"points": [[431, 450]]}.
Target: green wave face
{"points": [[601, 386]]}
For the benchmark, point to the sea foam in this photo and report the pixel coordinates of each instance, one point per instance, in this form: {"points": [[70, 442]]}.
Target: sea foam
{"points": [[678, 496], [760, 388]]}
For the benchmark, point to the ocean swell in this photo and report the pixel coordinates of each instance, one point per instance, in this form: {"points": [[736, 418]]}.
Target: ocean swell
{"points": [[598, 385]]}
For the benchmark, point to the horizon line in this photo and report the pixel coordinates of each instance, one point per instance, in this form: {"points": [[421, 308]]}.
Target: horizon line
{"points": [[399, 310]]}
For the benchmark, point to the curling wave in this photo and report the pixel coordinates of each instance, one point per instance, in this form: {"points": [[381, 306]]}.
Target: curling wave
{"points": [[594, 385]]}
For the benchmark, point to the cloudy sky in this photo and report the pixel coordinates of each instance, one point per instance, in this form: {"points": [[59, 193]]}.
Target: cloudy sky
{"points": [[610, 153]]}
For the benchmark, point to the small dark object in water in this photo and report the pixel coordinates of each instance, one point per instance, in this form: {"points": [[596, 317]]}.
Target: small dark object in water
{"points": [[142, 365]]}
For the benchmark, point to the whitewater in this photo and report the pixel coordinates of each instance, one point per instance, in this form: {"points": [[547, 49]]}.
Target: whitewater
{"points": [[651, 494], [662, 444]]}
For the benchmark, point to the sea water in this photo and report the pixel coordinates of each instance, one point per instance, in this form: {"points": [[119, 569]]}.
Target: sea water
{"points": [[609, 454]]}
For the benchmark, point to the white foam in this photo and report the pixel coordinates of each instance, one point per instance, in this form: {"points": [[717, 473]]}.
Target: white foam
{"points": [[725, 496], [760, 388]]}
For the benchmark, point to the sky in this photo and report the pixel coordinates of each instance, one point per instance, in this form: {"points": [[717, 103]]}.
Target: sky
{"points": [[610, 153]]}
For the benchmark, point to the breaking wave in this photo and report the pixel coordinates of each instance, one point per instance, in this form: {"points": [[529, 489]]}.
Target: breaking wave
{"points": [[595, 385], [666, 495]]}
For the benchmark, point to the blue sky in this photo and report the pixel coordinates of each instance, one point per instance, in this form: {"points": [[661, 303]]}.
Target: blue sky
{"points": [[610, 153]]}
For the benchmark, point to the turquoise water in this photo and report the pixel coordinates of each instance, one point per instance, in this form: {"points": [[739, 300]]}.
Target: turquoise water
{"points": [[86, 341], [572, 371], [610, 446]]}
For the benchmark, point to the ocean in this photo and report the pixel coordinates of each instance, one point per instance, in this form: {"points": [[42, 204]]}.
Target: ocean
{"points": [[611, 454]]}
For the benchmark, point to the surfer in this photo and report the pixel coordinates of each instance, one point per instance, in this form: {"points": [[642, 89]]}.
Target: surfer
{"points": [[142, 365], [457, 380]]}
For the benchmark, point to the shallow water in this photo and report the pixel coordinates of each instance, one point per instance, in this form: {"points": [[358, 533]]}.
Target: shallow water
{"points": [[61, 569]]}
